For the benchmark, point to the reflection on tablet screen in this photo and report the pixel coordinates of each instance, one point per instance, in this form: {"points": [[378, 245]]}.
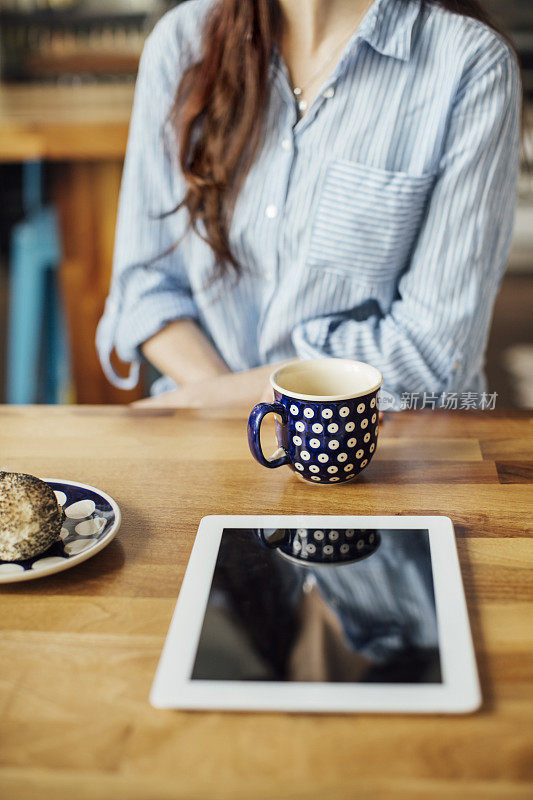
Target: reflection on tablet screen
{"points": [[286, 606]]}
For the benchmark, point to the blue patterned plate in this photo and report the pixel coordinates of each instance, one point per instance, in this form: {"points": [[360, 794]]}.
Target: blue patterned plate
{"points": [[91, 522]]}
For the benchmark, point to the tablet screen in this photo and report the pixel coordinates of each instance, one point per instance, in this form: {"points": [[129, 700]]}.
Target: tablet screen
{"points": [[347, 605]]}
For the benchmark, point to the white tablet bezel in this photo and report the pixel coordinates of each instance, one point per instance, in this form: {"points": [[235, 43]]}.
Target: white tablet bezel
{"points": [[459, 691]]}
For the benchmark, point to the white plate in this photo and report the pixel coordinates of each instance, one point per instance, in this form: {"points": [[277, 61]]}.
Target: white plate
{"points": [[91, 522]]}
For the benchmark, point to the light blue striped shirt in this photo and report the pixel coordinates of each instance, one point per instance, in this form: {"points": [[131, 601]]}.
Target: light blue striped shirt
{"points": [[375, 227]]}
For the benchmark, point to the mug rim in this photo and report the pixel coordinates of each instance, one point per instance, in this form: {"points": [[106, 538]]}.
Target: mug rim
{"points": [[323, 398]]}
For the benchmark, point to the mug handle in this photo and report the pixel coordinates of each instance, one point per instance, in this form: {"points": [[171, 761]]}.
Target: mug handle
{"points": [[271, 544], [254, 434]]}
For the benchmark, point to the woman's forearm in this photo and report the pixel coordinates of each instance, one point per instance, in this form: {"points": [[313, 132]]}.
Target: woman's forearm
{"points": [[182, 351], [231, 389]]}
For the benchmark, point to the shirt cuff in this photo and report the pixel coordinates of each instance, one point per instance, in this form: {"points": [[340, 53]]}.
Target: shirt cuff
{"points": [[309, 338], [127, 328]]}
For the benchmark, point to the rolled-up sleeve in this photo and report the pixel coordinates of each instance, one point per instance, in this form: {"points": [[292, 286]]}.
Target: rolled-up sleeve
{"points": [[149, 285], [433, 338]]}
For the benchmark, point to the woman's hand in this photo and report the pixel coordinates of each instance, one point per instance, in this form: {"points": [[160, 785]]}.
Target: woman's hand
{"points": [[232, 389], [268, 394]]}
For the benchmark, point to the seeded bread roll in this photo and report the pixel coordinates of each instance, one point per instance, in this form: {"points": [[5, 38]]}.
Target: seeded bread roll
{"points": [[30, 516]]}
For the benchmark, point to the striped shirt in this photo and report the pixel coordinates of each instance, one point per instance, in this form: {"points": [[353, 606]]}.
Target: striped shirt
{"points": [[376, 227]]}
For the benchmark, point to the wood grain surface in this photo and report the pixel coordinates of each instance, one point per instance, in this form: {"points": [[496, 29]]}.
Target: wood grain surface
{"points": [[86, 197], [64, 122], [78, 650]]}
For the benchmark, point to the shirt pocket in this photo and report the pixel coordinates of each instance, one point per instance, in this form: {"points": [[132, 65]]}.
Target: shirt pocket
{"points": [[367, 220]]}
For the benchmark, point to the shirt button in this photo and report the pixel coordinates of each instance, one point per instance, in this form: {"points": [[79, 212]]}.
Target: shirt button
{"points": [[269, 276], [286, 144], [329, 92], [271, 211], [457, 364]]}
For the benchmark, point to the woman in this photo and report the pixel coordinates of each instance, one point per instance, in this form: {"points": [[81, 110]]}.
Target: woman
{"points": [[314, 177]]}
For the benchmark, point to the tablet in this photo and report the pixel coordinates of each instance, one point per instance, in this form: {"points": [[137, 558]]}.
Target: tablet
{"points": [[320, 614]]}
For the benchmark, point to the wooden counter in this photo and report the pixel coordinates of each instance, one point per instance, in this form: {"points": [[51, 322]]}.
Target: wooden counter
{"points": [[83, 131], [78, 650]]}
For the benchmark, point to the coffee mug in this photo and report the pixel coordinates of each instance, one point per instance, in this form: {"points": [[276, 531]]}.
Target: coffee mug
{"points": [[322, 545], [326, 419]]}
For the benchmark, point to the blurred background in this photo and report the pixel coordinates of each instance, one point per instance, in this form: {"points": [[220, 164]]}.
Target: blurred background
{"points": [[67, 72]]}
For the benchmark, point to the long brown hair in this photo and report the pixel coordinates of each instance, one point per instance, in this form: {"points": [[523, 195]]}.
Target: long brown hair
{"points": [[219, 109]]}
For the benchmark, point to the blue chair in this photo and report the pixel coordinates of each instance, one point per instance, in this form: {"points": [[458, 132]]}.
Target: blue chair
{"points": [[37, 361]]}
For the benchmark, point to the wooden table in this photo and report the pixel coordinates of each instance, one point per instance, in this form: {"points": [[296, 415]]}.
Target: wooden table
{"points": [[82, 131], [78, 650]]}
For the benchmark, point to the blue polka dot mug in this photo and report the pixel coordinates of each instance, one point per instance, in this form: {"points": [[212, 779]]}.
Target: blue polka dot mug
{"points": [[322, 545], [326, 418]]}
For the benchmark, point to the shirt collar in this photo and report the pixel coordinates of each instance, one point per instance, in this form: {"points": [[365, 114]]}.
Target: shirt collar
{"points": [[387, 27]]}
